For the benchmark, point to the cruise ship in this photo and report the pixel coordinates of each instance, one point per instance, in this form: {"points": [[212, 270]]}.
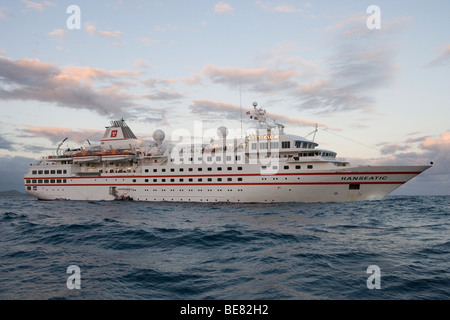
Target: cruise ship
{"points": [[266, 165]]}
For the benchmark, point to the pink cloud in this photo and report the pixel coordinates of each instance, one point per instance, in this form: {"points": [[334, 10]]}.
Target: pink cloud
{"points": [[56, 134], [106, 34], [442, 58], [38, 6], [61, 33], [223, 8], [76, 87], [436, 144]]}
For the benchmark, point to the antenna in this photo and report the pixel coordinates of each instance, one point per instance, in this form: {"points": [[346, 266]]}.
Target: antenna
{"points": [[313, 132], [240, 103]]}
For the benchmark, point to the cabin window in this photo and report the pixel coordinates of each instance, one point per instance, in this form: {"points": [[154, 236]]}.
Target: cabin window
{"points": [[34, 172], [172, 169], [254, 147], [209, 179], [46, 172], [310, 166], [263, 145], [239, 179], [218, 158], [286, 167], [353, 186], [52, 172], [298, 167], [229, 168], [219, 168], [239, 168], [58, 180], [229, 179], [285, 144], [40, 171], [199, 169], [209, 169], [274, 145], [172, 180], [58, 171], [219, 179], [155, 180]]}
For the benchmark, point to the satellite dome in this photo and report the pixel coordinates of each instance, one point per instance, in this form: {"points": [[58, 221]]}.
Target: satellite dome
{"points": [[159, 136], [222, 132]]}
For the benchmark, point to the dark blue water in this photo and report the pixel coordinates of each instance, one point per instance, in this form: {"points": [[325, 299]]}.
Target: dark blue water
{"points": [[139, 250]]}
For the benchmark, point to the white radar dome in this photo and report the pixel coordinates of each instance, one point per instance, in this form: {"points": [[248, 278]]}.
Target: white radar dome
{"points": [[222, 132], [159, 136]]}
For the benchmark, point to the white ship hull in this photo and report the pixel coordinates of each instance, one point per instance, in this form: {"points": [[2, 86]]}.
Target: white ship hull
{"points": [[350, 184], [266, 166]]}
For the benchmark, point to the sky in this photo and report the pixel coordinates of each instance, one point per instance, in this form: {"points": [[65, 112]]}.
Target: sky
{"points": [[376, 81]]}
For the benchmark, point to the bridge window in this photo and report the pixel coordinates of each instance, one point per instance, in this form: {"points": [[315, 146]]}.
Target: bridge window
{"points": [[285, 144]]}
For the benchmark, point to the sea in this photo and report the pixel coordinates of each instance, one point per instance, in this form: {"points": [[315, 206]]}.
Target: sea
{"points": [[394, 249]]}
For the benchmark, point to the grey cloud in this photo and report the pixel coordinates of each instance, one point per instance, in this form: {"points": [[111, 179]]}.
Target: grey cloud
{"points": [[31, 79]]}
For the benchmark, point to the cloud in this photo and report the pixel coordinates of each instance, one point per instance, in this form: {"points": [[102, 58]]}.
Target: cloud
{"points": [[6, 144], [443, 57], [38, 6], [163, 95], [256, 79], [12, 170], [2, 13], [213, 110], [60, 33], [74, 87], [223, 8], [93, 31], [152, 82], [279, 8], [148, 42], [363, 61], [167, 27], [140, 64], [438, 150], [427, 149], [56, 134]]}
